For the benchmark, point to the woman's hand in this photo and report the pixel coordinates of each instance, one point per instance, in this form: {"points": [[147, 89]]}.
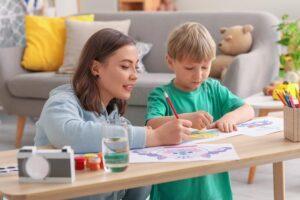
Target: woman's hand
{"points": [[200, 119], [172, 132]]}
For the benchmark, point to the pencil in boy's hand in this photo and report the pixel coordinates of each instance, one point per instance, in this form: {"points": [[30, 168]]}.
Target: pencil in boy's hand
{"points": [[171, 105]]}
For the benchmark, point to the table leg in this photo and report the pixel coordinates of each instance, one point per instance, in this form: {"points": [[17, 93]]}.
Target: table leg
{"points": [[252, 170], [251, 174], [278, 179], [264, 112]]}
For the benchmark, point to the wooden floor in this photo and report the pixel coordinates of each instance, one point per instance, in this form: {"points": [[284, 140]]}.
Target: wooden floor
{"points": [[261, 189]]}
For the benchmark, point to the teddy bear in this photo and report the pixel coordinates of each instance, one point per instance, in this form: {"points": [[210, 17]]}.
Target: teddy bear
{"points": [[235, 40]]}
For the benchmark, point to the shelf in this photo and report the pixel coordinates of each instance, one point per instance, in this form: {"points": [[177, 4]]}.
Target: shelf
{"points": [[145, 5]]}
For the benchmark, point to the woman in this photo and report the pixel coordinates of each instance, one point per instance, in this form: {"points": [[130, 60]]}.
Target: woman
{"points": [[74, 114]]}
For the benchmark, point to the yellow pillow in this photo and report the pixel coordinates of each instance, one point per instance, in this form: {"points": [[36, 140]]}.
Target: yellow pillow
{"points": [[45, 41]]}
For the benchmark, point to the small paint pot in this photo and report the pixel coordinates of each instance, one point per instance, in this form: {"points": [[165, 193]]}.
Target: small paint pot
{"points": [[94, 163], [101, 160], [88, 156], [79, 162]]}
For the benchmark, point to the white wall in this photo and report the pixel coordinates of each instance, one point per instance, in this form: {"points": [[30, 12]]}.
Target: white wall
{"points": [[94, 6], [277, 7], [71, 7], [66, 7]]}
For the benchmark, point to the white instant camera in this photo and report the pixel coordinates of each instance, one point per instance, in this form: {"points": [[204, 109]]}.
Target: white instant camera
{"points": [[46, 165]]}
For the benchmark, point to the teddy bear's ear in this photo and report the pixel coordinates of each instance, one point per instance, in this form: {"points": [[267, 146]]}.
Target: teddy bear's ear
{"points": [[247, 28], [228, 37], [222, 30]]}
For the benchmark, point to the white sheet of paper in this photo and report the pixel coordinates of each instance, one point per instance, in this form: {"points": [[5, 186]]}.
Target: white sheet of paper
{"points": [[184, 153], [195, 150], [261, 126], [4, 170], [209, 135], [256, 127]]}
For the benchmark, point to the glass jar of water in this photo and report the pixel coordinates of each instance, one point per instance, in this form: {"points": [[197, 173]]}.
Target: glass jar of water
{"points": [[115, 147]]}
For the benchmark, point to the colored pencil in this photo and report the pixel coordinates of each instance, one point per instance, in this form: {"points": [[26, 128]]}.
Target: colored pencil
{"points": [[292, 101], [287, 100], [171, 105], [281, 98], [298, 98]]}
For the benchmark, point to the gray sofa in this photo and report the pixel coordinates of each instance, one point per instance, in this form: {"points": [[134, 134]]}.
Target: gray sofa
{"points": [[23, 93]]}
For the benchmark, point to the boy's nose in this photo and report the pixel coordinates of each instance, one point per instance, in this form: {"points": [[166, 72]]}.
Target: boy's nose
{"points": [[198, 76]]}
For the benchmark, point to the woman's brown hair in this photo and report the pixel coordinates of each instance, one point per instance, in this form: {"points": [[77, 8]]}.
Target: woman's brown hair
{"points": [[100, 46]]}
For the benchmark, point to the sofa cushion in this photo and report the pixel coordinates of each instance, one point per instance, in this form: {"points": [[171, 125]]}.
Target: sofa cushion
{"points": [[38, 85], [78, 34], [143, 49], [45, 41]]}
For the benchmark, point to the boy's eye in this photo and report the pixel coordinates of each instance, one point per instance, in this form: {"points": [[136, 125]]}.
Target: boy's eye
{"points": [[204, 67], [189, 68]]}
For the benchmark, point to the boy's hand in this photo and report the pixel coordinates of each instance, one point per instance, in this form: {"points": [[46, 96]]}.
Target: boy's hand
{"points": [[172, 132], [224, 126], [200, 119]]}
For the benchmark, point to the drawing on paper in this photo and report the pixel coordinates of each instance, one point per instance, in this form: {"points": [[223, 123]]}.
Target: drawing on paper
{"points": [[181, 152], [198, 134], [255, 124]]}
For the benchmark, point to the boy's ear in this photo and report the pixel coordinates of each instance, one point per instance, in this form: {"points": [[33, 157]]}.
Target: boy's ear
{"points": [[170, 62], [96, 68]]}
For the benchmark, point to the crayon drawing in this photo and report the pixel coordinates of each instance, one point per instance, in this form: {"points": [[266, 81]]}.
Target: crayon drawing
{"points": [[261, 126], [255, 124], [181, 153], [198, 134], [256, 127]]}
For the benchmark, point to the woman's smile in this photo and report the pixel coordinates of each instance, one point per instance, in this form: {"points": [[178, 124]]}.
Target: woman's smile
{"points": [[128, 87]]}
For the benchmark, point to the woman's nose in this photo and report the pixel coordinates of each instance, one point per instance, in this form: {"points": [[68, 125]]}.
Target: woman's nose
{"points": [[133, 75]]}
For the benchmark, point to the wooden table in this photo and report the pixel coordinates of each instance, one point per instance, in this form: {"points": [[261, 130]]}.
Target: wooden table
{"points": [[264, 104], [252, 151]]}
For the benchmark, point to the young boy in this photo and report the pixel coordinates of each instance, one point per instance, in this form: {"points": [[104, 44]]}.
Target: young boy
{"points": [[202, 100]]}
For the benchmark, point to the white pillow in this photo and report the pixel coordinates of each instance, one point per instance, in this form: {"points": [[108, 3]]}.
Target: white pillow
{"points": [[143, 49], [78, 33]]}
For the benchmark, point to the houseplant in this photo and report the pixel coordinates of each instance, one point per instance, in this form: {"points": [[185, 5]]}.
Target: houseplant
{"points": [[290, 39], [290, 56]]}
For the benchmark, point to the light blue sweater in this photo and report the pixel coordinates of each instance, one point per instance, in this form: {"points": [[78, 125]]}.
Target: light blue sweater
{"points": [[64, 122]]}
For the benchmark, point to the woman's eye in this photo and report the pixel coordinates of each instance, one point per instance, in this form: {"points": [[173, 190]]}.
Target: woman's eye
{"points": [[204, 68], [188, 68], [124, 67]]}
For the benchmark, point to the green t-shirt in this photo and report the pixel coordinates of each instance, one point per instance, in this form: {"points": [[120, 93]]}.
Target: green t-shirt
{"points": [[213, 98]]}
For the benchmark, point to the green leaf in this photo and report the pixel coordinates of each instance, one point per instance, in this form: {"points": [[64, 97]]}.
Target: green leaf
{"points": [[284, 41], [285, 17], [290, 38], [282, 59]]}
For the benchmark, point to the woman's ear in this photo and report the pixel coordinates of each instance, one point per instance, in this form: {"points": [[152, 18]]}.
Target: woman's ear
{"points": [[96, 68]]}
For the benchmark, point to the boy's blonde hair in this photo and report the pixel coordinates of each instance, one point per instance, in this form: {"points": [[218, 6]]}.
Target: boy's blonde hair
{"points": [[191, 40]]}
